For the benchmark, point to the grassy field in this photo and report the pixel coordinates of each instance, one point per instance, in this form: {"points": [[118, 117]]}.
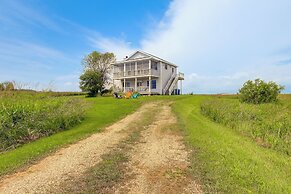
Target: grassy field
{"points": [[27, 116], [226, 157], [226, 161], [102, 112], [267, 124]]}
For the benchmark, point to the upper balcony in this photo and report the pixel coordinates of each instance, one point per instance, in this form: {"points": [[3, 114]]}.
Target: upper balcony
{"points": [[136, 73], [138, 68]]}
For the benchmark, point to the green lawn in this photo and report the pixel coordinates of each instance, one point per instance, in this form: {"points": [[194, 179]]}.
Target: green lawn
{"points": [[225, 161], [103, 112]]}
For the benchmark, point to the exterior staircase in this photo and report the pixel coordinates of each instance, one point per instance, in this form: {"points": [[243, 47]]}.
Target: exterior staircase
{"points": [[172, 83]]}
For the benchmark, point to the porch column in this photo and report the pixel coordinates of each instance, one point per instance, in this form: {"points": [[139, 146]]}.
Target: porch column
{"points": [[150, 84], [124, 85], [181, 87], [135, 71], [135, 84], [150, 67]]}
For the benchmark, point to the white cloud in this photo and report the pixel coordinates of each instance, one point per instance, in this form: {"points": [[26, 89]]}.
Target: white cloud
{"points": [[220, 44], [119, 47]]}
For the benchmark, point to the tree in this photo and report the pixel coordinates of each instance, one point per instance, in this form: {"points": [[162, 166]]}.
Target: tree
{"points": [[2, 88], [91, 82], [7, 86], [259, 91], [100, 63]]}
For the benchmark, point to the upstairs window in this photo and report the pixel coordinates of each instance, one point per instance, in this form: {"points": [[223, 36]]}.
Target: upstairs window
{"points": [[173, 70], [166, 66], [154, 65]]}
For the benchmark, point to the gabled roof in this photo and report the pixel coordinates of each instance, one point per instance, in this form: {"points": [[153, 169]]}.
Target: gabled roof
{"points": [[143, 54]]}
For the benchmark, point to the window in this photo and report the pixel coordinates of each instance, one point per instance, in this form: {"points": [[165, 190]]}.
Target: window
{"points": [[166, 66], [154, 84], [154, 65], [172, 69], [139, 83]]}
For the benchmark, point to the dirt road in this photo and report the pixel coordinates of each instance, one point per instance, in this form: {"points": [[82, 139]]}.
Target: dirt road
{"points": [[158, 163]]}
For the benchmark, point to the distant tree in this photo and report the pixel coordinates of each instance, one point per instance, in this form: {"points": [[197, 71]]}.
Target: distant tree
{"points": [[2, 88], [7, 86], [99, 62], [91, 82], [259, 91]]}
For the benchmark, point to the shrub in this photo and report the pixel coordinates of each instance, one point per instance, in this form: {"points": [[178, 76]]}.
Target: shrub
{"points": [[259, 91]]}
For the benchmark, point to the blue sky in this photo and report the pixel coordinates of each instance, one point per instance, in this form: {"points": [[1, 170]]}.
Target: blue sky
{"points": [[218, 44]]}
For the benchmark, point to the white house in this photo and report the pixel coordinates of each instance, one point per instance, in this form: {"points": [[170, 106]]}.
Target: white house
{"points": [[146, 74]]}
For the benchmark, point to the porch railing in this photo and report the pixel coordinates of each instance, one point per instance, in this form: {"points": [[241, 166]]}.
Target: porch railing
{"points": [[138, 89], [139, 72], [129, 89], [142, 88]]}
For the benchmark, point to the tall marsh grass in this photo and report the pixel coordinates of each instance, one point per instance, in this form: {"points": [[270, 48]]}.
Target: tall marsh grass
{"points": [[26, 116], [267, 124]]}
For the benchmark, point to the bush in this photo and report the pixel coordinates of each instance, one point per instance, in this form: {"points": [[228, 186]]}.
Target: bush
{"points": [[258, 92]]}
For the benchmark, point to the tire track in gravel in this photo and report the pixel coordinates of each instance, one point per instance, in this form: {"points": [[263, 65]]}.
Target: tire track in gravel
{"points": [[160, 163]]}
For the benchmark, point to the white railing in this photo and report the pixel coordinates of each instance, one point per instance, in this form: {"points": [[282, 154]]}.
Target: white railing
{"points": [[169, 83], [129, 89], [139, 72], [118, 74], [142, 88], [174, 83], [142, 72]]}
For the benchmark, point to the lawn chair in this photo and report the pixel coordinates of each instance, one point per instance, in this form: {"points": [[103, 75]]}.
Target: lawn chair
{"points": [[115, 95], [128, 94], [134, 96]]}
